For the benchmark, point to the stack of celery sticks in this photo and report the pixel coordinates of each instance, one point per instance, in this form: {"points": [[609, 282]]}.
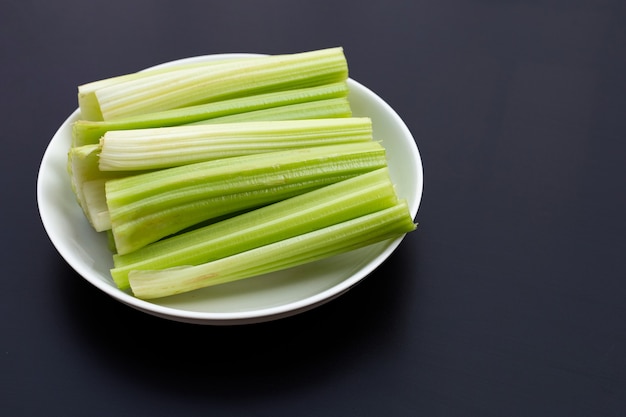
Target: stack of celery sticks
{"points": [[206, 173]]}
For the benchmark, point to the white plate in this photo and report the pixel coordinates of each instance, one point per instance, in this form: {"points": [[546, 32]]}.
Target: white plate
{"points": [[252, 300]]}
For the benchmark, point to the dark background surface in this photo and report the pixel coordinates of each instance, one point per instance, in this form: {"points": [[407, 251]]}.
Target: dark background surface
{"points": [[508, 301]]}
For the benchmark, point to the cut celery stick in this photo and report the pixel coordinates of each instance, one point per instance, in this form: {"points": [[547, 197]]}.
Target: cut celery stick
{"points": [[248, 142], [188, 87], [89, 132], [147, 207], [318, 109], [165, 147], [304, 213], [319, 244], [88, 102]]}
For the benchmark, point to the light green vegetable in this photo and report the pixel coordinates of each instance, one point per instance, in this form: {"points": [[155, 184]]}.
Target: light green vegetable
{"points": [[125, 153], [210, 172], [88, 102], [157, 148], [310, 211], [297, 103], [191, 86], [147, 207], [304, 248]]}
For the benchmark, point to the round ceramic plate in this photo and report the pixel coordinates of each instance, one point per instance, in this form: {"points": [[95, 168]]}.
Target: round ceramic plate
{"points": [[252, 300]]}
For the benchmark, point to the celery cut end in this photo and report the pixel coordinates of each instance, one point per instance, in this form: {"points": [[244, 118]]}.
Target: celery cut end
{"points": [[158, 148]]}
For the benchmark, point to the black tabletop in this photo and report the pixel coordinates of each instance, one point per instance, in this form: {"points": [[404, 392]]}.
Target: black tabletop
{"points": [[507, 301]]}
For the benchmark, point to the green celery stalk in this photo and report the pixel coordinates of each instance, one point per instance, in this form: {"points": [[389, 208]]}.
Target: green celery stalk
{"points": [[165, 147], [89, 132], [193, 86], [125, 153], [88, 102], [319, 244], [304, 213], [318, 109], [147, 207]]}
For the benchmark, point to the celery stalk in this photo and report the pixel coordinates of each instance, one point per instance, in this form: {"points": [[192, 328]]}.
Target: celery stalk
{"points": [[310, 211], [89, 132], [318, 109], [88, 102], [147, 207], [298, 250], [250, 138], [193, 86], [165, 147]]}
